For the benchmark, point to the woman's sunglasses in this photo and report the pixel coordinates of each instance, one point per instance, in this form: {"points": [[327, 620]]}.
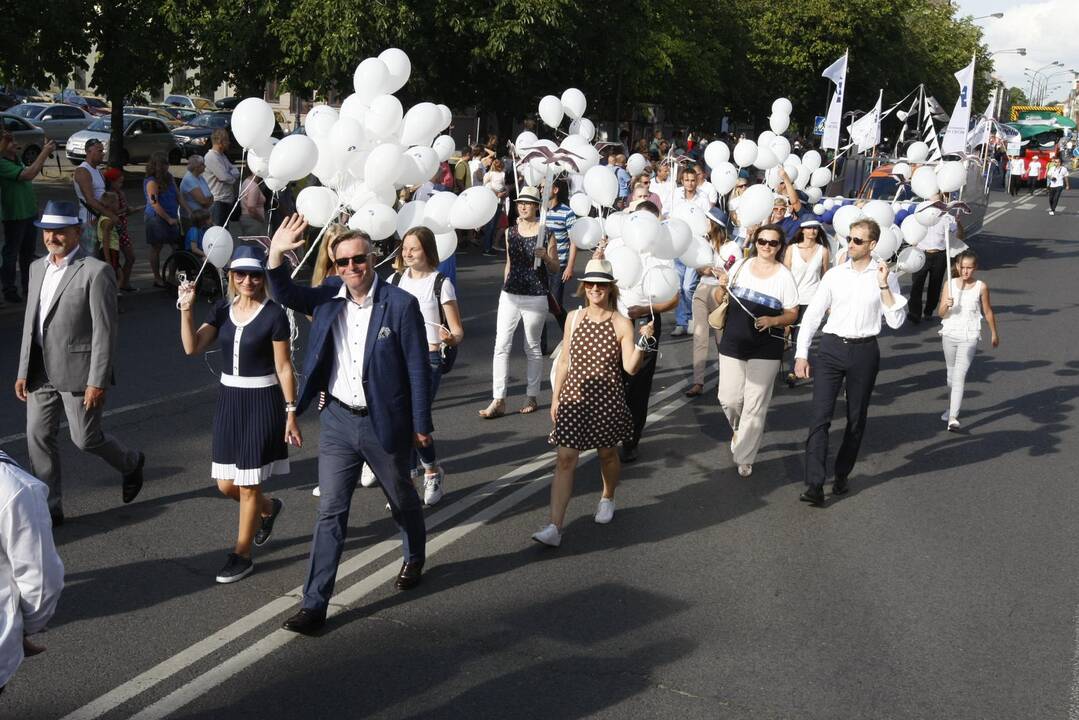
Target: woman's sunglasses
{"points": [[770, 243], [241, 275]]}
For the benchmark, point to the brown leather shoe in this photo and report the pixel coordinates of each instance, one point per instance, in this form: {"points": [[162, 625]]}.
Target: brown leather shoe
{"points": [[306, 621], [410, 575]]}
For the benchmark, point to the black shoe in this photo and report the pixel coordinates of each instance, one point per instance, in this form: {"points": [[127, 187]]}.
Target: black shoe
{"points": [[840, 487], [266, 528], [914, 318], [57, 517], [628, 453], [306, 622], [237, 567], [814, 496], [410, 575], [133, 480]]}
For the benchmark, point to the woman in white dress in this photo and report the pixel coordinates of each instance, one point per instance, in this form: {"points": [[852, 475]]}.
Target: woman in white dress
{"points": [[808, 259]]}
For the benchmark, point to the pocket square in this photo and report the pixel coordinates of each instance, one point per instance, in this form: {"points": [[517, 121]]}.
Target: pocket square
{"points": [[384, 332]]}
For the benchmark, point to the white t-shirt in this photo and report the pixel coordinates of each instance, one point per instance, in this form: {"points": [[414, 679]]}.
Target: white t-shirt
{"points": [[1056, 176], [423, 289], [1035, 168]]}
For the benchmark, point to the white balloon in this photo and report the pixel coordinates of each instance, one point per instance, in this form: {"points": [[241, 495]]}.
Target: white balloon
{"points": [[586, 233], [699, 254], [917, 152], [911, 259], [771, 178], [530, 175], [473, 208], [901, 169], [525, 140], [445, 146], [346, 135], [674, 238], [409, 216], [843, 218], [601, 184], [745, 152], [258, 157], [716, 153], [612, 226], [640, 230], [354, 107], [951, 176], [580, 204], [447, 245], [383, 165], [377, 194], [765, 138], [926, 214], [293, 157], [252, 121], [383, 117], [756, 205], [820, 177], [694, 217], [573, 103], [578, 146], [660, 283], [802, 176], [317, 204], [398, 68], [626, 266], [420, 124], [828, 203], [886, 245], [781, 146], [355, 163], [276, 184], [217, 245], [880, 211], [782, 106], [378, 221], [813, 194], [779, 123], [551, 111], [913, 231], [635, 164], [370, 79], [583, 127], [724, 176], [437, 213], [819, 209], [766, 159], [425, 159], [540, 162], [447, 117], [319, 120], [588, 160], [811, 160], [924, 182]]}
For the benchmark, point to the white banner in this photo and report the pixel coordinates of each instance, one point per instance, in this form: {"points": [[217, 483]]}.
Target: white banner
{"points": [[955, 137], [837, 73], [865, 131]]}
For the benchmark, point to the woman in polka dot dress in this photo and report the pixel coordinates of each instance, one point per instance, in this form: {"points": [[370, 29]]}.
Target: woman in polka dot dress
{"points": [[589, 408]]}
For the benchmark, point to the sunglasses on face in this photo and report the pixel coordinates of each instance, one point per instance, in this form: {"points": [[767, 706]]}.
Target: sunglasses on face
{"points": [[240, 276], [360, 259], [769, 243], [858, 240]]}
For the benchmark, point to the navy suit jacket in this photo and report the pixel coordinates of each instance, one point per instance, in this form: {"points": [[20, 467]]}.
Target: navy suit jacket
{"points": [[396, 363]]}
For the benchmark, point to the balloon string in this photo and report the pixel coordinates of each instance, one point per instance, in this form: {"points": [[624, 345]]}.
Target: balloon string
{"points": [[314, 243], [243, 191]]}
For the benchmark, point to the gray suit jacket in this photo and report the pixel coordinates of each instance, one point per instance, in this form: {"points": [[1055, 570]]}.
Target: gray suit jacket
{"points": [[80, 325]]}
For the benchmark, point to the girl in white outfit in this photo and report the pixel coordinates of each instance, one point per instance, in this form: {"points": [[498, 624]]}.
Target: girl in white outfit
{"points": [[808, 259], [962, 304]]}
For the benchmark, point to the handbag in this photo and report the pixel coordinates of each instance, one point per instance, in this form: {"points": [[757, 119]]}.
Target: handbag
{"points": [[717, 319], [448, 352]]}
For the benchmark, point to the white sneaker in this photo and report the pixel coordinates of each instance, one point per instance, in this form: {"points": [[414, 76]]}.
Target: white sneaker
{"points": [[548, 535], [1052, 213], [605, 511], [316, 492], [367, 476], [432, 486], [944, 416], [953, 424], [745, 470]]}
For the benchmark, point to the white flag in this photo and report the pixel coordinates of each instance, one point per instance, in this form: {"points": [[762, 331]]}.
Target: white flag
{"points": [[837, 73], [955, 137], [865, 131]]}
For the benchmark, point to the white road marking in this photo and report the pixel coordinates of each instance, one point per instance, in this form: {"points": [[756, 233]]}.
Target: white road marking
{"points": [[278, 638], [1073, 701]]}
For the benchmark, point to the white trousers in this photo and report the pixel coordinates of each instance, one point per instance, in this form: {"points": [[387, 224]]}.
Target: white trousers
{"points": [[745, 392], [958, 355], [512, 309]]}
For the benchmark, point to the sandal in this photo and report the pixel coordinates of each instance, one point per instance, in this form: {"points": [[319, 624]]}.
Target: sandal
{"points": [[496, 409], [530, 406], [695, 390]]}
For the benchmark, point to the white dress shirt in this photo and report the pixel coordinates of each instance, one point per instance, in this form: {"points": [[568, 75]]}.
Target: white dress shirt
{"points": [[54, 273], [349, 340], [934, 237], [699, 199], [31, 573], [852, 301]]}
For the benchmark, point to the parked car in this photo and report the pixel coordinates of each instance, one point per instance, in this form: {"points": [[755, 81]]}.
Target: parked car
{"points": [[30, 137], [143, 136], [190, 101], [195, 136], [92, 104], [150, 111], [25, 94], [182, 114], [227, 103], [58, 120]]}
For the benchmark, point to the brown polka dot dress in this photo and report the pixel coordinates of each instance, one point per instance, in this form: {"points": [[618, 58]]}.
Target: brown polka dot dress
{"points": [[592, 409]]}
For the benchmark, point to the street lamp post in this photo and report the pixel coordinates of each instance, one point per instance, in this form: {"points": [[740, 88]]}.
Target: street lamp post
{"points": [[1030, 93], [997, 15]]}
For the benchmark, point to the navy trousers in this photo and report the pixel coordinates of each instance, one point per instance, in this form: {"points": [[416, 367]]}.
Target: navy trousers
{"points": [[347, 441]]}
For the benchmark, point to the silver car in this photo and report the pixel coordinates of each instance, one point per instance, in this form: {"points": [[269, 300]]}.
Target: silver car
{"points": [[30, 138], [143, 136], [58, 120]]}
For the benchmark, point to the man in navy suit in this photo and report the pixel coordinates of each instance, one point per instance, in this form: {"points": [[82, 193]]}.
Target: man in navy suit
{"points": [[367, 350]]}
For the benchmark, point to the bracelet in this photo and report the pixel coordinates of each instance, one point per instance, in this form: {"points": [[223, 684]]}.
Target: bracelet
{"points": [[647, 343], [290, 407], [883, 287]]}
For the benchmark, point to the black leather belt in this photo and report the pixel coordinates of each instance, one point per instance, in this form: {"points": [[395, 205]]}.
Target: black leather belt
{"points": [[361, 411], [853, 341]]}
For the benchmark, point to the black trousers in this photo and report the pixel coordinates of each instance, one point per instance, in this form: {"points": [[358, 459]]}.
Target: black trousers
{"points": [[835, 362], [935, 266], [639, 386], [1054, 197]]}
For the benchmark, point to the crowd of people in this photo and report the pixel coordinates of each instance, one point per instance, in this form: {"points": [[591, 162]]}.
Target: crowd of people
{"points": [[380, 344]]}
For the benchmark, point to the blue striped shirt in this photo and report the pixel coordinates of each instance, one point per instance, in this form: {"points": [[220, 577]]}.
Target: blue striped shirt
{"points": [[560, 219]]}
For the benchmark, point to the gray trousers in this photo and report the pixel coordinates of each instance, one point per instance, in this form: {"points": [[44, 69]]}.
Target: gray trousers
{"points": [[44, 408]]}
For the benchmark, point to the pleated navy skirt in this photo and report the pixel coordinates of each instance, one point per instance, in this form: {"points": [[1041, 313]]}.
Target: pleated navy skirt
{"points": [[249, 435]]}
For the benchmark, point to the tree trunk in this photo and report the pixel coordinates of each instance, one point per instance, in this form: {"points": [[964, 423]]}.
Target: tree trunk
{"points": [[116, 138]]}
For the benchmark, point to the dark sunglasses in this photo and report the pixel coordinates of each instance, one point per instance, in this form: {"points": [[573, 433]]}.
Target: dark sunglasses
{"points": [[858, 240], [360, 259], [770, 243], [241, 275]]}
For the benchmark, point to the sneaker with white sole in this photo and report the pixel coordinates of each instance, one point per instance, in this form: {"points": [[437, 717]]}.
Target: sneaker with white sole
{"points": [[367, 476], [548, 535], [605, 511], [745, 470], [262, 536], [953, 424], [432, 486], [237, 567]]}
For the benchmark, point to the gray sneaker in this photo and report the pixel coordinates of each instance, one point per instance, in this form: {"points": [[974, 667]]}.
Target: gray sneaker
{"points": [[237, 567], [262, 535]]}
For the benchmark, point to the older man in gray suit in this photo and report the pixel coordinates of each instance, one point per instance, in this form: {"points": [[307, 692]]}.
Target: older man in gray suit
{"points": [[66, 362]]}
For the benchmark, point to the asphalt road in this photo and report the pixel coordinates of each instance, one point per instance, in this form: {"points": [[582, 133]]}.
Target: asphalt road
{"points": [[943, 586]]}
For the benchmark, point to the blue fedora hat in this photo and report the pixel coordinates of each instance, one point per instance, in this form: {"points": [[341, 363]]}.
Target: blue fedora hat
{"points": [[717, 216], [248, 258], [59, 214]]}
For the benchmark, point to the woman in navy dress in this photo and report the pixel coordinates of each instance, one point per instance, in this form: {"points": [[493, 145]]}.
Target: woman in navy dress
{"points": [[255, 420]]}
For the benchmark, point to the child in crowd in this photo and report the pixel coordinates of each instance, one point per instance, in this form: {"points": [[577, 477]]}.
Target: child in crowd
{"points": [[200, 222], [108, 239], [115, 179]]}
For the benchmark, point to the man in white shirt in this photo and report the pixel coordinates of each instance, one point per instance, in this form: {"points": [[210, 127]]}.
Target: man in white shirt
{"points": [[935, 268], [31, 573], [1016, 171], [222, 176], [688, 194], [1034, 172], [855, 295], [1056, 179]]}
